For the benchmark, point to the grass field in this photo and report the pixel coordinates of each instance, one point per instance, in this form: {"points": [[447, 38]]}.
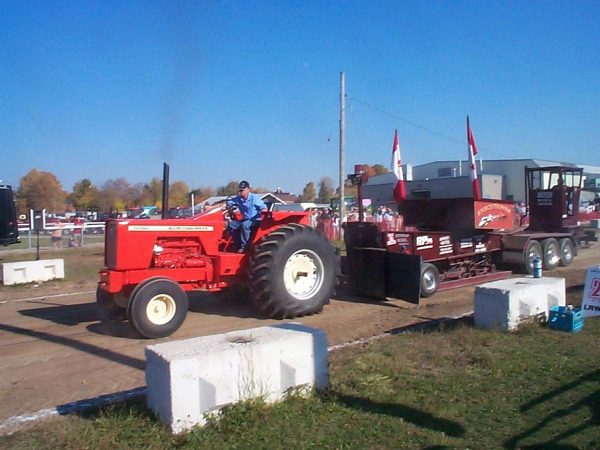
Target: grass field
{"points": [[457, 387], [82, 265]]}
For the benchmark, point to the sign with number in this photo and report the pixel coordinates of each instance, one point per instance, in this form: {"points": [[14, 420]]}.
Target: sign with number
{"points": [[590, 304]]}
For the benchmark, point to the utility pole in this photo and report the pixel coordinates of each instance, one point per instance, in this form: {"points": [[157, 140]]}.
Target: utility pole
{"points": [[342, 124]]}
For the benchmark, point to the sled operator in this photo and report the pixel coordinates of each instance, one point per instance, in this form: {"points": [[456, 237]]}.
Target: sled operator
{"points": [[250, 206]]}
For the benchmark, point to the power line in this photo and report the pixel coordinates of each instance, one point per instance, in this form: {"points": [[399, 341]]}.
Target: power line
{"points": [[420, 127], [395, 116]]}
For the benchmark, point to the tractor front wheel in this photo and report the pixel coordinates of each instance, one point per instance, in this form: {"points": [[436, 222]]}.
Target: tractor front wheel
{"points": [[157, 307], [292, 272]]}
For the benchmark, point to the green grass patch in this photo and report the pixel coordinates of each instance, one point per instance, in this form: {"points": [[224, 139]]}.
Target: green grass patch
{"points": [[82, 265], [453, 388]]}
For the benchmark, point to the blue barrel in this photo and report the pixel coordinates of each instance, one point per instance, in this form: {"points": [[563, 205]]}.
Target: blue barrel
{"points": [[537, 268]]}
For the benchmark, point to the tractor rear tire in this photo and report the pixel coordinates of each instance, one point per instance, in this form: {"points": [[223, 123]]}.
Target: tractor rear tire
{"points": [[567, 251], [157, 307], [430, 280], [108, 307], [533, 250], [551, 252], [292, 272]]}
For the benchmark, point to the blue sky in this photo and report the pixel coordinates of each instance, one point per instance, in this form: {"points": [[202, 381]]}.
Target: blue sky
{"points": [[229, 90]]}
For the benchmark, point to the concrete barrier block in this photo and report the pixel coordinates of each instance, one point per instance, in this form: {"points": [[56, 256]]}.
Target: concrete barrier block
{"points": [[188, 379], [506, 303], [32, 271]]}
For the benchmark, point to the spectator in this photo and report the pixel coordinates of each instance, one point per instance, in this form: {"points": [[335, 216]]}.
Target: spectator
{"points": [[324, 223], [57, 236], [335, 223], [379, 214], [388, 215], [78, 231], [352, 216], [314, 215], [521, 211]]}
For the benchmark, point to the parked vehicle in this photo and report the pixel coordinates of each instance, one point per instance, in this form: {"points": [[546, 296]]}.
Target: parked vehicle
{"points": [[9, 232]]}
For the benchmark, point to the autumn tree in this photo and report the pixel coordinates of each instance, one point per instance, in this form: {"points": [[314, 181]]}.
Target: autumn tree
{"points": [[369, 171], [179, 193], [137, 196], [230, 189], [84, 195], [380, 169], [116, 195], [376, 169], [326, 190], [202, 193], [40, 190], [151, 193], [309, 193]]}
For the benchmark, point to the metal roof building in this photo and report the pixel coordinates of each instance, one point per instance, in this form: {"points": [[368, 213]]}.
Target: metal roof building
{"points": [[512, 172], [500, 178]]}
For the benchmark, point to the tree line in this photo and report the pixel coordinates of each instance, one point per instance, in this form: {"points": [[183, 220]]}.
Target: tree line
{"points": [[42, 190]]}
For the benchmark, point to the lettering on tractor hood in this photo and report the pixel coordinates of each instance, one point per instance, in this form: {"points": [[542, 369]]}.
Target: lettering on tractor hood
{"points": [[171, 228]]}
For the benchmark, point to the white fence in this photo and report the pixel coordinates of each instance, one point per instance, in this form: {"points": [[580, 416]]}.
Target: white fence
{"points": [[72, 235]]}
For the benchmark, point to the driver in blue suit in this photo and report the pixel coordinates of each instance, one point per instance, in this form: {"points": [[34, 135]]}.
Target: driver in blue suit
{"points": [[250, 206]]}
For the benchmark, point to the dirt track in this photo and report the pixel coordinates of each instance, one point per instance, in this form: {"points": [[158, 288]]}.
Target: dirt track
{"points": [[55, 350]]}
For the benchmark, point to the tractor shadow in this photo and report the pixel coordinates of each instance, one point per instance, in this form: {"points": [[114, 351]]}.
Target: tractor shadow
{"points": [[69, 315], [82, 314], [228, 303]]}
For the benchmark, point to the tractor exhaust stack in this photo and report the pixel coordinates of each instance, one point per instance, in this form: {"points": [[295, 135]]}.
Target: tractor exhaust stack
{"points": [[165, 192]]}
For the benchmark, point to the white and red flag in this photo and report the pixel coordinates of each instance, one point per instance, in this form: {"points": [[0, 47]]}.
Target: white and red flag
{"points": [[472, 153], [400, 188]]}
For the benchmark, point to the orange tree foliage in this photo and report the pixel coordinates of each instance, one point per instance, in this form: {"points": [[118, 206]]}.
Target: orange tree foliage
{"points": [[179, 193], [40, 190], [84, 196]]}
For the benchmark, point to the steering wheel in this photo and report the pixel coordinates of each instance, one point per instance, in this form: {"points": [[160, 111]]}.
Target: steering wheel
{"points": [[230, 211]]}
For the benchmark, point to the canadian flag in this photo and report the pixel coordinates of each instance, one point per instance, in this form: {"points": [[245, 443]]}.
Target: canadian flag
{"points": [[472, 153], [400, 188]]}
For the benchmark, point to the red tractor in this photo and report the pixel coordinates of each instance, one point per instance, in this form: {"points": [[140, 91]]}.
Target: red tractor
{"points": [[289, 268]]}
